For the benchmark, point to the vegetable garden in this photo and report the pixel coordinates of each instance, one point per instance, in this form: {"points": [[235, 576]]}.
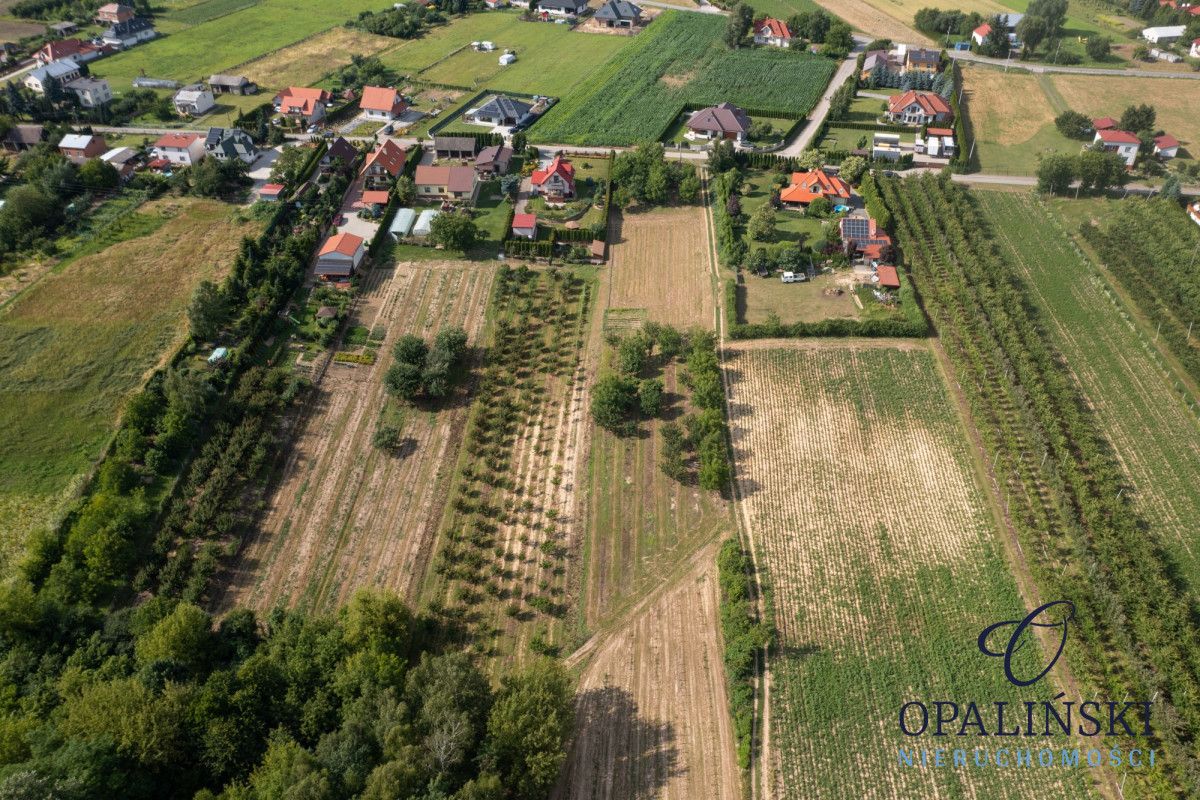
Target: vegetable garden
{"points": [[679, 62], [1062, 489]]}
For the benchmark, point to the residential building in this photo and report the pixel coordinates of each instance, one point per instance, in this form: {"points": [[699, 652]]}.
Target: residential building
{"points": [[493, 160], [114, 13], [23, 136], [1104, 124], [382, 103], [92, 92], [340, 152], [228, 144], [270, 192], [886, 146], [1163, 34], [232, 84], [454, 147], [451, 183], [1166, 146], [81, 147], [1123, 143], [124, 159], [1194, 52], [129, 33], [618, 14], [193, 100], [724, 121], [383, 165], [876, 58], [499, 110], [341, 254], [920, 59], [562, 8], [374, 198], [918, 108], [494, 4], [57, 50], [301, 104], [524, 226], [183, 149], [556, 182], [772, 32], [806, 187], [56, 72], [864, 238]]}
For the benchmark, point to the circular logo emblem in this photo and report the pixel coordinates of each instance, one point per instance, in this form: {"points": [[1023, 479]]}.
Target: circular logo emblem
{"points": [[1041, 617]]}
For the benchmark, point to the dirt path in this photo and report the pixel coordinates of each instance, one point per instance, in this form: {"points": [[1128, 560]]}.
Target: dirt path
{"points": [[343, 513]]}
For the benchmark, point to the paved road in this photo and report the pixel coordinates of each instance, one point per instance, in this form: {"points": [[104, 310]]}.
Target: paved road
{"points": [[704, 8], [817, 117], [964, 55]]}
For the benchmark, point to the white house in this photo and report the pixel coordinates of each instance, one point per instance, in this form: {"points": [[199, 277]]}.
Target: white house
{"points": [[184, 149], [1163, 34], [1195, 51], [194, 100], [772, 33], [92, 92], [60, 72], [129, 33], [524, 226], [1123, 143], [383, 103], [341, 254], [1166, 146]]}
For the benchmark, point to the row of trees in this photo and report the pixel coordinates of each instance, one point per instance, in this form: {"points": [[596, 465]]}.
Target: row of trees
{"points": [[1094, 168]]}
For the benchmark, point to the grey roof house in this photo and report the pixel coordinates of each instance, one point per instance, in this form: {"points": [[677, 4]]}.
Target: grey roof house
{"points": [[226, 144], [493, 160], [454, 146], [562, 8], [232, 84], [618, 14], [500, 110], [724, 121], [130, 32]]}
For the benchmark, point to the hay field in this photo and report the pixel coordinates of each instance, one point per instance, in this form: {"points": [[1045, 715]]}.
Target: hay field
{"points": [[307, 62]]}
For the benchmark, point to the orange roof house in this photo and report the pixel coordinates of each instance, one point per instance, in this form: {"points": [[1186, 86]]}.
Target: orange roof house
{"points": [[382, 103], [340, 256], [918, 108], [308, 104], [772, 31], [808, 186], [374, 197]]}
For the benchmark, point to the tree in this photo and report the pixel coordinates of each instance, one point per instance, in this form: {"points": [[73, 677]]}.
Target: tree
{"points": [[689, 188], [215, 178], [820, 208], [509, 185], [1055, 172], [761, 226], [1170, 188], [1032, 30], [839, 41], [650, 393], [207, 311], [722, 157], [1074, 125], [454, 231], [528, 728], [97, 174], [1098, 47], [1052, 12], [1138, 118], [406, 190], [852, 169], [733, 206], [286, 168], [738, 25], [1141, 52], [613, 399], [410, 348], [403, 379], [183, 636], [1100, 170], [995, 44], [27, 214], [811, 159]]}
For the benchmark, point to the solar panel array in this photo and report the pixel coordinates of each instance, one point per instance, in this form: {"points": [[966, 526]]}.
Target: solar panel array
{"points": [[856, 228]]}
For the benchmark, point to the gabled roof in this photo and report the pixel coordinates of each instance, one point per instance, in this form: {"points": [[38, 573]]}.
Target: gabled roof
{"points": [[114, 8], [129, 27], [524, 221], [982, 31], [558, 166], [808, 186], [618, 10], [271, 188], [301, 100], [181, 141], [61, 48], [497, 153], [576, 6], [346, 244], [775, 28], [455, 179], [341, 149], [388, 155], [54, 70], [377, 197], [454, 143], [190, 94], [26, 133], [922, 54], [1117, 137], [75, 141], [381, 98], [228, 80], [232, 142], [1104, 123], [929, 102], [723, 118], [1165, 142], [888, 277], [940, 132]]}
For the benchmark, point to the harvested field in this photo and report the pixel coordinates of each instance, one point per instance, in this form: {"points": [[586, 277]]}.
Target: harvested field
{"points": [[345, 514], [659, 261], [1175, 101], [307, 62], [77, 344], [652, 719], [866, 17], [885, 563], [1012, 119]]}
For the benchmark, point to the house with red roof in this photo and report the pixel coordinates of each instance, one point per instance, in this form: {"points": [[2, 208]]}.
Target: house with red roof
{"points": [[376, 198], [556, 182], [1166, 146], [918, 108], [980, 34], [183, 149], [270, 192], [1123, 143], [448, 183], [772, 33], [114, 14], [302, 104], [1104, 124], [808, 186], [383, 165], [724, 121], [863, 237], [341, 254], [380, 102], [524, 226]]}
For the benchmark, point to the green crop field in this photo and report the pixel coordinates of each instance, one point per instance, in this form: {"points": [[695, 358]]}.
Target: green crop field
{"points": [[550, 58], [680, 60], [73, 347], [885, 564], [227, 41], [1139, 406]]}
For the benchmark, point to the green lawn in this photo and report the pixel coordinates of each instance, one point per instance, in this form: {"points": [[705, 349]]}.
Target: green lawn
{"points": [[586, 169], [225, 42], [850, 138], [790, 226], [550, 58]]}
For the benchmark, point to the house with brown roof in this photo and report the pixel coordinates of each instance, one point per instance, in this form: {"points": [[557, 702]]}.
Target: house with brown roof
{"points": [[183, 149], [450, 183], [380, 102], [1123, 143], [341, 254], [454, 147], [340, 152], [724, 121], [383, 165], [23, 136], [806, 187], [918, 108], [493, 160], [556, 182], [1104, 124], [772, 33], [888, 277], [302, 104]]}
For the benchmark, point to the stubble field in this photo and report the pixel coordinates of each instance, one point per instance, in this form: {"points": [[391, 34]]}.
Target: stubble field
{"points": [[885, 562]]}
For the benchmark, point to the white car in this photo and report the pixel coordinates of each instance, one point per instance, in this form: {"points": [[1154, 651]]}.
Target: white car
{"points": [[793, 277]]}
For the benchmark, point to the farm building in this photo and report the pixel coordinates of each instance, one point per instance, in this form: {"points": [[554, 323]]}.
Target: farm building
{"points": [[1104, 124], [341, 254], [193, 100], [808, 186], [724, 121], [524, 226], [424, 222], [402, 223], [23, 136], [1164, 34], [938, 143], [231, 84], [61, 29], [380, 102], [124, 159], [889, 278]]}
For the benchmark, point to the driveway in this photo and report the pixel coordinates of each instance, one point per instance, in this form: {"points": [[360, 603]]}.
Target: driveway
{"points": [[260, 170], [353, 223]]}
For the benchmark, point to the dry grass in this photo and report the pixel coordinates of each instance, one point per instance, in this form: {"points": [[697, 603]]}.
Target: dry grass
{"points": [[305, 63], [1175, 100], [1007, 108], [872, 18]]}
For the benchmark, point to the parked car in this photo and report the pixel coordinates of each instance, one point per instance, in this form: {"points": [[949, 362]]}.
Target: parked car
{"points": [[793, 277]]}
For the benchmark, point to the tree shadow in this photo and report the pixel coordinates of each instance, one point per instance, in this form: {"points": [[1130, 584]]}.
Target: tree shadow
{"points": [[617, 754]]}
